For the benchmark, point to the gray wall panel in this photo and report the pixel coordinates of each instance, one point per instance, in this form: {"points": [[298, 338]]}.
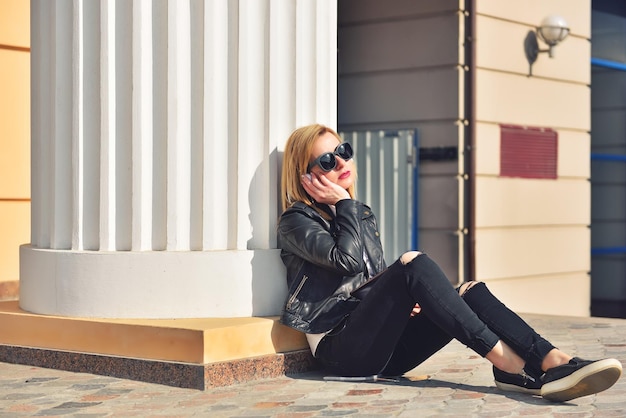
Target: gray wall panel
{"points": [[608, 128], [439, 202], [608, 89], [351, 11], [366, 48], [607, 233], [608, 201], [401, 96], [443, 247]]}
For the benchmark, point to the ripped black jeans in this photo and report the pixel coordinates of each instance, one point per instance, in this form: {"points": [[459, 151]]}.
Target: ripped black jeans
{"points": [[380, 336]]}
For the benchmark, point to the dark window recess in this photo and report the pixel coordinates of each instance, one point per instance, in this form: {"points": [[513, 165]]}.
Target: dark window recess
{"points": [[528, 152], [439, 154]]}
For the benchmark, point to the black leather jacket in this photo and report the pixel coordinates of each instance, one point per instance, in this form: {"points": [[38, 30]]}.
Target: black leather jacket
{"points": [[325, 262]]}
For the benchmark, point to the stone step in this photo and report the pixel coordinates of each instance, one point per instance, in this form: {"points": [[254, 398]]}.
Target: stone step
{"points": [[223, 350]]}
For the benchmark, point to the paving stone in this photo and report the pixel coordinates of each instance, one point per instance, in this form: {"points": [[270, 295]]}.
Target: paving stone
{"points": [[453, 383]]}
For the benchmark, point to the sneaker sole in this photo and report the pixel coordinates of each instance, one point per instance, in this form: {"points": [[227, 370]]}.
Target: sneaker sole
{"points": [[591, 379], [514, 388]]}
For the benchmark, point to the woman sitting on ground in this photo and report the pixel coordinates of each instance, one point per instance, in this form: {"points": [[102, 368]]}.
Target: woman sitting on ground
{"points": [[363, 318]]}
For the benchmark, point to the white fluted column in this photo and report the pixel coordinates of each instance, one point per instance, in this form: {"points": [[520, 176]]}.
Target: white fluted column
{"points": [[157, 129]]}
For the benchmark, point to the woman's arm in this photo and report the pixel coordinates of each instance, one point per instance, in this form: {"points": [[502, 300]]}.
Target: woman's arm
{"points": [[306, 234]]}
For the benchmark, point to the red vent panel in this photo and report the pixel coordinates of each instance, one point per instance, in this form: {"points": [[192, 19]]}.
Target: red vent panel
{"points": [[528, 152]]}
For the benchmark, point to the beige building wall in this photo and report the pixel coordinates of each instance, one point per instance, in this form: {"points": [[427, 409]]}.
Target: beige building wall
{"points": [[401, 65], [14, 140], [532, 236]]}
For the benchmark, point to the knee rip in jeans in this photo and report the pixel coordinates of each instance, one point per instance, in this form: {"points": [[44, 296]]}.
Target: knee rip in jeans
{"points": [[409, 256], [465, 287]]}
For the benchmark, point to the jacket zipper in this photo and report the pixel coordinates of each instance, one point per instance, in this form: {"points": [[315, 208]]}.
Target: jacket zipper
{"points": [[293, 297]]}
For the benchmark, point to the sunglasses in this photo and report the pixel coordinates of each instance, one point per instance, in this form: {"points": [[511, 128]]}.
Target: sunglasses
{"points": [[328, 161]]}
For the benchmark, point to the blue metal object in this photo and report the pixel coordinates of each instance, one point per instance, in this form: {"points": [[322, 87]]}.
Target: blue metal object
{"points": [[608, 250], [415, 220], [614, 65], [608, 157]]}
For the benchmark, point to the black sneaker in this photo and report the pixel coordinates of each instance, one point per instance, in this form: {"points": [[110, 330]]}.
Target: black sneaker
{"points": [[522, 383], [580, 378]]}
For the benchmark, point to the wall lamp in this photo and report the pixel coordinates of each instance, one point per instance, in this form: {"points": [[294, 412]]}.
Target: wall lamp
{"points": [[553, 29]]}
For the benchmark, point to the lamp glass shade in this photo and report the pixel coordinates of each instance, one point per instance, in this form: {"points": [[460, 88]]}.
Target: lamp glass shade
{"points": [[553, 30]]}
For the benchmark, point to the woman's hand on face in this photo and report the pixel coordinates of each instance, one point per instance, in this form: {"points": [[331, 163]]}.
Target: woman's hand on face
{"points": [[323, 190]]}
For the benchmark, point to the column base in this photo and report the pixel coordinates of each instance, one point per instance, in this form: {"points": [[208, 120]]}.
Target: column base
{"points": [[152, 284]]}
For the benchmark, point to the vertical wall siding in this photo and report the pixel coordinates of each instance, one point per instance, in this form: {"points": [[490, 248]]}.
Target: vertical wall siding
{"points": [[391, 75], [533, 234], [399, 67], [156, 124]]}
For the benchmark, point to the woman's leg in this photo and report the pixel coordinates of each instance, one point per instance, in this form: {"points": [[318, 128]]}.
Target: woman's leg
{"points": [[420, 340], [445, 307], [565, 377], [364, 344], [442, 304], [512, 329], [371, 333], [367, 341]]}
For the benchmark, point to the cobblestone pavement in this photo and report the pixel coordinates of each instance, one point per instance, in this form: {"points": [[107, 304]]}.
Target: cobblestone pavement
{"points": [[454, 382]]}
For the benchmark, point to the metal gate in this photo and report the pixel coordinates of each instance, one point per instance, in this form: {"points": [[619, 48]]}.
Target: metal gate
{"points": [[387, 180]]}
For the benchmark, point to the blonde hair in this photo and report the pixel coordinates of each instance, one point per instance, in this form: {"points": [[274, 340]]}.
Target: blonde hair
{"points": [[296, 160]]}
